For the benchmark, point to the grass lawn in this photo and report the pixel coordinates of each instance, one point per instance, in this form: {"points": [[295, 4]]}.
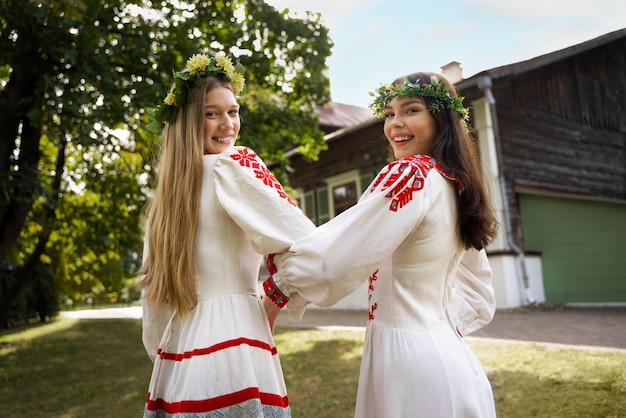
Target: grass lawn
{"points": [[98, 368]]}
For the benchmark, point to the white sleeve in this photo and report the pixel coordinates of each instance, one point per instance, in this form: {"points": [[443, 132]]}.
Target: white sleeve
{"points": [[473, 302], [153, 319], [257, 202], [248, 192], [324, 266]]}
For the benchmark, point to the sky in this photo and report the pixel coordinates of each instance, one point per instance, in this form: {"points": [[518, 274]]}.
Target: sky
{"points": [[376, 41]]}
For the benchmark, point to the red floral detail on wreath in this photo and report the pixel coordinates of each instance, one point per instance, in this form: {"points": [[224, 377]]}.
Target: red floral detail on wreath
{"points": [[412, 172], [373, 306], [248, 159]]}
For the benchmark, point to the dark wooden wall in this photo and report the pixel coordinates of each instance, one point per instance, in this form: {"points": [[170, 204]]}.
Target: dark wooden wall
{"points": [[562, 126], [365, 149], [562, 129]]}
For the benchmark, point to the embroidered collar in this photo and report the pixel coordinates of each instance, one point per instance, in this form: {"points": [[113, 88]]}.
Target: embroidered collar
{"points": [[432, 163]]}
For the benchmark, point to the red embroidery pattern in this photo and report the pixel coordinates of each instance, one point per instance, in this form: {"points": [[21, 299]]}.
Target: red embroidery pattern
{"points": [[166, 355], [401, 192], [270, 265], [202, 406], [373, 306], [269, 286], [248, 159], [274, 293], [372, 279]]}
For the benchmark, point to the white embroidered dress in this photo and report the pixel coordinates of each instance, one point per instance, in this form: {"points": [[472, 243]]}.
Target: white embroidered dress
{"points": [[425, 291], [221, 360]]}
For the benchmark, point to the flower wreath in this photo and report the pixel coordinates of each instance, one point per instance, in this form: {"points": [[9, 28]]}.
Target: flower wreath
{"points": [[435, 89], [198, 66]]}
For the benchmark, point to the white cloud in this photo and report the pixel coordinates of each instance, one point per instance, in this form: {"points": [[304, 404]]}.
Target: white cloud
{"points": [[377, 40], [546, 9], [333, 12]]}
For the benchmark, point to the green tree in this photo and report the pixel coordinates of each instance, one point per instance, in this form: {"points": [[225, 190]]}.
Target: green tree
{"points": [[75, 73]]}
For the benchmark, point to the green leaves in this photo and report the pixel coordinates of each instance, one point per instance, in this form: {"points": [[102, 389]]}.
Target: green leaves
{"points": [[76, 72], [158, 115]]}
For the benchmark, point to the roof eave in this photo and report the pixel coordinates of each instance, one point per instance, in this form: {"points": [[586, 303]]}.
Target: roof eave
{"points": [[540, 61]]}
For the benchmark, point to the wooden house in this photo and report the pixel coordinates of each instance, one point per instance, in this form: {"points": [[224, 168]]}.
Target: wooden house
{"points": [[551, 132]]}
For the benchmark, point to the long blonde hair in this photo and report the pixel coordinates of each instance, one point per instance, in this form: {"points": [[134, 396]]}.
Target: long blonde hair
{"points": [[169, 268]]}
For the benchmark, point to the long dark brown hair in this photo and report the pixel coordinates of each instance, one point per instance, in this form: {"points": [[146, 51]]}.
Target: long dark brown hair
{"points": [[455, 150]]}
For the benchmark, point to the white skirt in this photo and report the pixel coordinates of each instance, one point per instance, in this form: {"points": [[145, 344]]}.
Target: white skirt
{"points": [[409, 373], [220, 360]]}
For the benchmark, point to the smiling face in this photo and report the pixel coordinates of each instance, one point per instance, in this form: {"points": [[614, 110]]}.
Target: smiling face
{"points": [[409, 126], [221, 120]]}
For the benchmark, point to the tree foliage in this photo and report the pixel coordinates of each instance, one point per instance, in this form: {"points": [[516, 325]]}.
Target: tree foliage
{"points": [[75, 79]]}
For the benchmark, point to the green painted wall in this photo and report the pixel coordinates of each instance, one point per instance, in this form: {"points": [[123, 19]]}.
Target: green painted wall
{"points": [[583, 247]]}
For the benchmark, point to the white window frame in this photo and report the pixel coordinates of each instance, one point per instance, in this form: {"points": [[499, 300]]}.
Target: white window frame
{"points": [[338, 180]]}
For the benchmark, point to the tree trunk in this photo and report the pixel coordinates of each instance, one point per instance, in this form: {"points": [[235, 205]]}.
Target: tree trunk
{"points": [[26, 273], [19, 186], [22, 276]]}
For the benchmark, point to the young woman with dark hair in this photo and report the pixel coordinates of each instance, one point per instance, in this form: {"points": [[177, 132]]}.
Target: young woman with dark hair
{"points": [[417, 235]]}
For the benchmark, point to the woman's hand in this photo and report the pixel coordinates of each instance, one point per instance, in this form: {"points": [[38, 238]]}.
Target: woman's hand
{"points": [[271, 310]]}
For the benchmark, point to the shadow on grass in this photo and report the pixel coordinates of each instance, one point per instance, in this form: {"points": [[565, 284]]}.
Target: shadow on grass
{"points": [[90, 368], [98, 368], [521, 395], [321, 371]]}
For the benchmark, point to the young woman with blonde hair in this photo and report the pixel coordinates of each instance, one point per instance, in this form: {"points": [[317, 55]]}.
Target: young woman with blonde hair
{"points": [[215, 212]]}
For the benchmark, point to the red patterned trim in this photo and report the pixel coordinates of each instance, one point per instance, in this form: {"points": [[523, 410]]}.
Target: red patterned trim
{"points": [[211, 404], [248, 159], [274, 293], [370, 290], [216, 347], [370, 314], [269, 264], [419, 167]]}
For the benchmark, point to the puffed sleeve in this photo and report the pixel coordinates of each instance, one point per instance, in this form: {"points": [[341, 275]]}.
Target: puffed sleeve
{"points": [[386, 214], [256, 201], [473, 302], [154, 319]]}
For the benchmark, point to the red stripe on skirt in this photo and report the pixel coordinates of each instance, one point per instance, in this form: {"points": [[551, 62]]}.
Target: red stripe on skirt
{"points": [[212, 349], [218, 402]]}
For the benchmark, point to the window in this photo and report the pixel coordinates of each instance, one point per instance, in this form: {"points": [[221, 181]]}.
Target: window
{"points": [[343, 191], [366, 179], [323, 212], [344, 196], [314, 203], [308, 205]]}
